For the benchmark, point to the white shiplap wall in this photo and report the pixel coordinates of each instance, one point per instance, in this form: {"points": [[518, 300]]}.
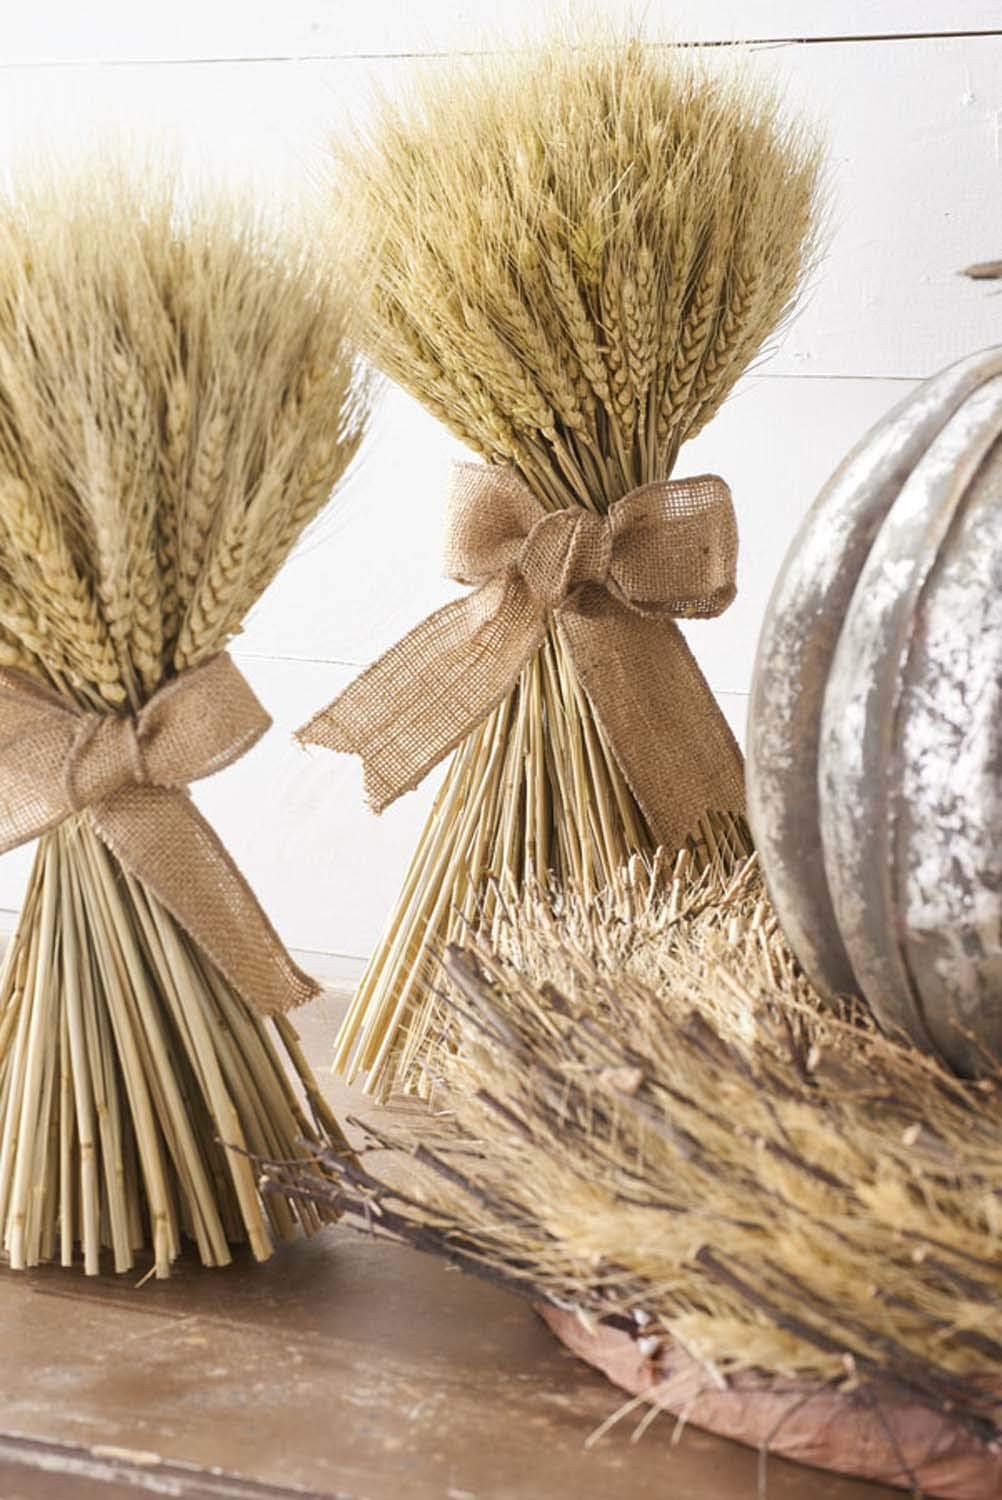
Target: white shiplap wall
{"points": [[910, 93]]}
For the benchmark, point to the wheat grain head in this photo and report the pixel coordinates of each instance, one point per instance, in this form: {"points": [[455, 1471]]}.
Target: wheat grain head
{"points": [[620, 221], [178, 398]]}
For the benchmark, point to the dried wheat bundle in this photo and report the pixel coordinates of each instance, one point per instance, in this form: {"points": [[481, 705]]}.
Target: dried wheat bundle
{"points": [[568, 257], [177, 400], [654, 1121]]}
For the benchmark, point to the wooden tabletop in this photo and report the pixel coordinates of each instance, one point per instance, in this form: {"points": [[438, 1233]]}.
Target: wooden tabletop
{"points": [[341, 1368]]}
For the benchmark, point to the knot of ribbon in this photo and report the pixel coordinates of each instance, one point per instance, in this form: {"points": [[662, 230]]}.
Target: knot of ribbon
{"points": [[564, 551], [129, 777], [106, 755], [614, 586]]}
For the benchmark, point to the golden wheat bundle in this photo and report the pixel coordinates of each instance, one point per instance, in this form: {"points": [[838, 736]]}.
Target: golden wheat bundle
{"points": [[569, 257], [177, 400], [654, 1124]]}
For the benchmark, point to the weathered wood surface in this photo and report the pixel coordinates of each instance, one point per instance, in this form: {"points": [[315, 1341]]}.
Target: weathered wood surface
{"points": [[342, 1368]]}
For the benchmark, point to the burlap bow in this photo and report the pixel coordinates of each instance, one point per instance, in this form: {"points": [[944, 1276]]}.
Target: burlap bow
{"points": [[128, 775], [614, 584]]}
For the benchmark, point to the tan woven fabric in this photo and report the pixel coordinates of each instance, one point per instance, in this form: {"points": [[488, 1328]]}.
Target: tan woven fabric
{"points": [[128, 775], [615, 583]]}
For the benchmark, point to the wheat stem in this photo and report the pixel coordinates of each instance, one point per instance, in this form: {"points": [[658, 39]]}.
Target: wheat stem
{"points": [[180, 397]]}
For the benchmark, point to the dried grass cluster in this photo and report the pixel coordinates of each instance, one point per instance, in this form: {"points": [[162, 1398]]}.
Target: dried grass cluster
{"points": [[650, 1118], [177, 400], [569, 258]]}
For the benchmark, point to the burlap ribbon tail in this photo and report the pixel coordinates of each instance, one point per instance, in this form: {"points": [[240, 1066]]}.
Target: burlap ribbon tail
{"points": [[615, 585], [129, 775]]}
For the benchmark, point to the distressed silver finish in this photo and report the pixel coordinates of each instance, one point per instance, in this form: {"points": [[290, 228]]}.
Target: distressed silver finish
{"points": [[875, 737], [796, 648], [947, 776], [863, 716]]}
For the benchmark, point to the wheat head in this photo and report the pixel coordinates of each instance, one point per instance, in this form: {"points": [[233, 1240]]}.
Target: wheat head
{"points": [[161, 447], [570, 255]]}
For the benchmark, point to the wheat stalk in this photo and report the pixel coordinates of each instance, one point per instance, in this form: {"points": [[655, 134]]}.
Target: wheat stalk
{"points": [[160, 452], [569, 257]]}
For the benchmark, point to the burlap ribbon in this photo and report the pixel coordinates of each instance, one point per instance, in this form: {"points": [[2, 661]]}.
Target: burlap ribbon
{"points": [[129, 776], [615, 584]]}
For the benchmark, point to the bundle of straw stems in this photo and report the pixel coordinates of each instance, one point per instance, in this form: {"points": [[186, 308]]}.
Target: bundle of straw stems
{"points": [[653, 1120], [568, 256], [177, 401]]}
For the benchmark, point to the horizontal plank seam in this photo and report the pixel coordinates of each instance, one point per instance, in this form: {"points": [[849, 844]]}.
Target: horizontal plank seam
{"points": [[811, 375], [149, 1474], [9, 916], [340, 661], [438, 54]]}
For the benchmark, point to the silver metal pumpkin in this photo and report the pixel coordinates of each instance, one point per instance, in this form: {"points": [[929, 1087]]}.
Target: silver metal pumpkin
{"points": [[875, 723]]}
